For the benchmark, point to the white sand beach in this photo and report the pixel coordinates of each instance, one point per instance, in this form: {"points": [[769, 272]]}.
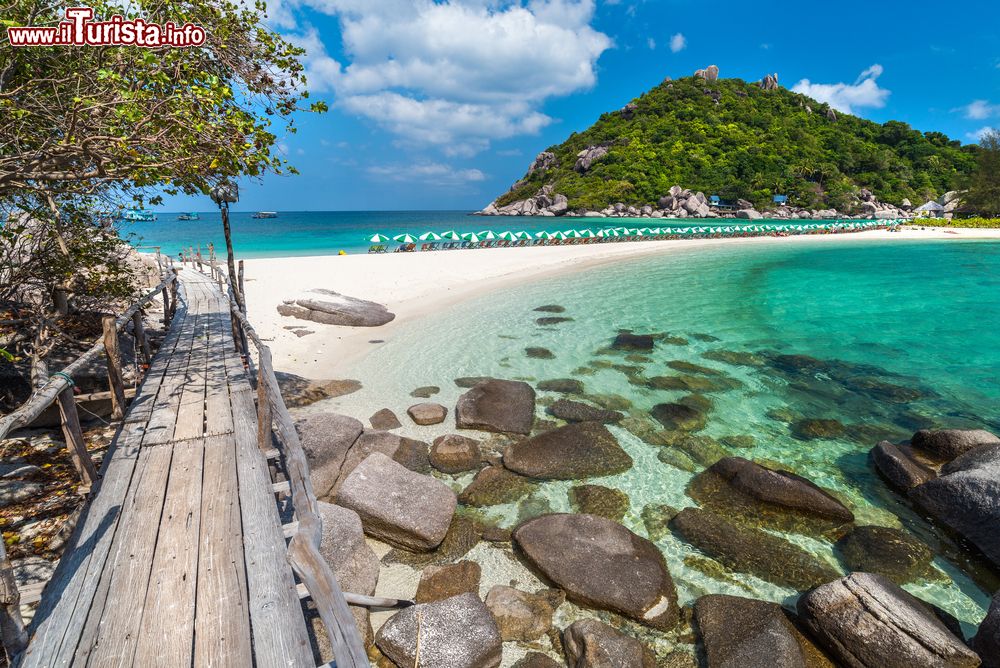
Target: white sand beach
{"points": [[412, 285]]}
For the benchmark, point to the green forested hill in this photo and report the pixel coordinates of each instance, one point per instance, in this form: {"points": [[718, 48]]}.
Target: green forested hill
{"points": [[752, 143]]}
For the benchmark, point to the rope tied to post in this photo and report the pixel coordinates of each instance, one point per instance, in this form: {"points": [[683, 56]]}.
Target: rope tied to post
{"points": [[65, 376]]}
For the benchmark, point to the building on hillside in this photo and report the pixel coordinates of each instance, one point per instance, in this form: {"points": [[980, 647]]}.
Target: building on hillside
{"points": [[929, 210], [781, 200]]}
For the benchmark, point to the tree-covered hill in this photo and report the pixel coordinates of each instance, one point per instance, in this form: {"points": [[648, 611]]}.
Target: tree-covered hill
{"points": [[736, 140]]}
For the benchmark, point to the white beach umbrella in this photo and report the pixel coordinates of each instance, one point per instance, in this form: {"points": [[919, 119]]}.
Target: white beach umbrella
{"points": [[451, 235], [404, 238], [470, 236], [378, 239], [430, 236], [489, 235], [544, 235], [522, 235], [585, 233], [560, 235], [507, 236]]}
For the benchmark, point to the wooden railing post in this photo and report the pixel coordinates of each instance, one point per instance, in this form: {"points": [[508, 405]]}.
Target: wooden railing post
{"points": [[263, 407], [15, 638], [73, 435], [139, 331], [173, 293], [199, 257], [243, 306], [166, 307], [113, 356]]}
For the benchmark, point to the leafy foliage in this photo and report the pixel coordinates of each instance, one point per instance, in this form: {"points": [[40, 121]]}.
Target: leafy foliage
{"points": [[752, 144], [983, 196], [976, 222]]}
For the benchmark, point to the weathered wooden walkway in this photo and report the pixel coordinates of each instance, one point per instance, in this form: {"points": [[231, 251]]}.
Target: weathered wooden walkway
{"points": [[180, 557]]}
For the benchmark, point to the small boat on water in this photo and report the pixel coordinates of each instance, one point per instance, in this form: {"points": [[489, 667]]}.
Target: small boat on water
{"points": [[188, 216], [266, 214], [138, 215]]}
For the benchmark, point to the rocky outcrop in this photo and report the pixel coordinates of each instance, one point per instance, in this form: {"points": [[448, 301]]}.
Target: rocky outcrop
{"points": [[593, 644], [885, 551], [521, 615], [384, 420], [326, 438], [332, 308], [745, 633], [398, 506], [438, 582], [581, 450], [987, 639], [588, 156], [900, 466], [749, 214], [298, 391], [710, 73], [748, 550], [504, 406], [746, 491], [769, 82], [457, 632], [866, 620], [340, 460], [452, 453], [543, 162], [951, 443], [545, 202], [601, 564]]}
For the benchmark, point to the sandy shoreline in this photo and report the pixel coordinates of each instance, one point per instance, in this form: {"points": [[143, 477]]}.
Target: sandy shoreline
{"points": [[414, 285]]}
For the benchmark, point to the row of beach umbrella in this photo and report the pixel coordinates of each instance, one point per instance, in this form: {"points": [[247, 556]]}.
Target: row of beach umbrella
{"points": [[489, 235]]}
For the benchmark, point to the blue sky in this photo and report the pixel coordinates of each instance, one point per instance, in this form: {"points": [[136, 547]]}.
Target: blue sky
{"points": [[442, 105]]}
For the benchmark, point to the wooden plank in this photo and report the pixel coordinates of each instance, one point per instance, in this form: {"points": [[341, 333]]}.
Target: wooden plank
{"points": [[279, 628], [218, 412], [163, 418], [222, 621], [142, 405], [166, 637], [190, 422], [109, 639], [65, 605]]}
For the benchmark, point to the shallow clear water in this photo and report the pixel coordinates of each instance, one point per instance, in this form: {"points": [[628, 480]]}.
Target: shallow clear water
{"points": [[924, 314]]}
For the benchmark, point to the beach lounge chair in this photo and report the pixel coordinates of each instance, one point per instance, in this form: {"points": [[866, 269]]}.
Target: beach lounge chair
{"points": [[377, 248]]}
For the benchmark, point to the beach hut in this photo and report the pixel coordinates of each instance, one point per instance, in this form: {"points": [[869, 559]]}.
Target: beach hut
{"points": [[781, 200], [930, 210]]}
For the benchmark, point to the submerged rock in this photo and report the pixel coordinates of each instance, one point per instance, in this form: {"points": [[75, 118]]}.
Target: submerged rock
{"points": [[497, 406], [950, 443], [630, 341], [691, 367], [734, 358], [563, 385], [689, 383], [751, 550], [581, 450], [885, 551], [575, 411], [457, 632], [396, 505], [440, 582], [746, 491], [593, 644], [552, 320], [601, 501], [656, 518], [679, 417], [601, 564], [452, 453], [810, 429], [899, 466], [866, 620], [495, 485], [425, 392], [745, 633], [551, 308], [539, 353], [537, 660]]}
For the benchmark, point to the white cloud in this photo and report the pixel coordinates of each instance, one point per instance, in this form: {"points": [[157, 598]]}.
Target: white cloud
{"points": [[429, 173], [980, 109], [864, 92], [678, 42], [651, 43], [456, 74], [980, 133]]}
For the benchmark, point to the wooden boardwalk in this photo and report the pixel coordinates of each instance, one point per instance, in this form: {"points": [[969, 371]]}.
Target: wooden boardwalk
{"points": [[180, 557]]}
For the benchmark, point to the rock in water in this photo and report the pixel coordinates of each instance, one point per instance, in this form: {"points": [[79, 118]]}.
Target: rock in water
{"points": [[406, 451], [520, 615], [495, 485], [575, 411], [679, 417], [581, 450], [600, 501], [354, 563], [885, 551], [427, 413], [504, 406], [452, 453], [563, 385], [398, 506], [744, 490], [898, 465], [425, 392], [950, 443], [630, 341], [987, 639], [593, 644], [384, 420], [458, 632], [332, 308], [326, 438], [751, 550], [600, 563], [865, 620], [440, 582], [744, 633], [537, 660]]}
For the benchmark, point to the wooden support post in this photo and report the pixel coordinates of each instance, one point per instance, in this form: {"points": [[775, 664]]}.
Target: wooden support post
{"points": [[173, 293], [73, 435], [243, 305], [113, 355], [140, 336], [159, 262], [199, 257], [12, 632], [166, 308], [263, 413]]}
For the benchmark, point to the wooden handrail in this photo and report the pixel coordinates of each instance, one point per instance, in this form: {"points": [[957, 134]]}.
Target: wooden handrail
{"points": [[303, 550]]}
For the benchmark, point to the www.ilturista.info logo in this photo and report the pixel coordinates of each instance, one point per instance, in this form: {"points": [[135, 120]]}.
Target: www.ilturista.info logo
{"points": [[78, 29]]}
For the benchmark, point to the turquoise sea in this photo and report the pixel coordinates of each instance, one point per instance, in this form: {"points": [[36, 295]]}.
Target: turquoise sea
{"points": [[299, 233], [901, 335]]}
